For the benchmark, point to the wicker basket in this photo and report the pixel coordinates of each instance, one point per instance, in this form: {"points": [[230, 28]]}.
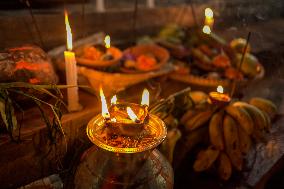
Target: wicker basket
{"points": [[97, 63], [115, 82], [161, 54], [209, 82]]}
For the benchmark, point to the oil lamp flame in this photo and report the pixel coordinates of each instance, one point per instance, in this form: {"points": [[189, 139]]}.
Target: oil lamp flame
{"points": [[113, 100], [105, 112], [68, 31], [145, 97], [208, 13], [220, 89], [206, 29], [113, 120], [107, 41], [131, 114]]}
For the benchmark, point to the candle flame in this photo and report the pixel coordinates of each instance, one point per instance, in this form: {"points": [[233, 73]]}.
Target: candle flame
{"points": [[107, 41], [105, 112], [113, 100], [131, 114], [145, 97], [208, 13], [206, 29], [68, 31], [220, 89]]}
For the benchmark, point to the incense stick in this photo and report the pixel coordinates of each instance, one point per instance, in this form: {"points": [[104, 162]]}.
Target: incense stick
{"points": [[134, 21], [240, 65], [193, 14], [83, 19], [27, 3]]}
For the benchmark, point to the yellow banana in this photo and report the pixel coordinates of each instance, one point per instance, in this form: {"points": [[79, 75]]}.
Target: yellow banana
{"points": [[188, 115], [225, 166], [205, 159], [245, 141], [231, 137], [198, 120], [236, 158], [267, 120], [171, 122], [216, 130], [242, 117], [255, 113], [198, 97], [168, 146], [265, 105]]}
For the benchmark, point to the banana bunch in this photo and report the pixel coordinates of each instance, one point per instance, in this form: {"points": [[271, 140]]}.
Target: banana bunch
{"points": [[232, 130]]}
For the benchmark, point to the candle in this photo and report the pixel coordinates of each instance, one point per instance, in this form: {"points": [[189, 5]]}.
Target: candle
{"points": [[100, 5], [209, 18], [219, 98], [151, 3], [71, 72]]}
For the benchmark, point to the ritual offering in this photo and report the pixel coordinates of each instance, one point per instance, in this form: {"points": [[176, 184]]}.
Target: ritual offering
{"points": [[98, 55], [234, 128], [209, 60], [144, 58], [27, 63], [126, 136]]}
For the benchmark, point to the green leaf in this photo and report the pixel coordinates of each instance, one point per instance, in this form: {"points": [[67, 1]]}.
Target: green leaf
{"points": [[3, 114]]}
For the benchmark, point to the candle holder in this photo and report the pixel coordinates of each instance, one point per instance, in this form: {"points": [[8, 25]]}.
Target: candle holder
{"points": [[219, 99], [123, 156], [119, 121]]}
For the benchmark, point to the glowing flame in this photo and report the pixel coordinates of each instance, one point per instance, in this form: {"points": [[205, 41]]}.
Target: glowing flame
{"points": [[113, 119], [113, 100], [69, 33], [145, 97], [107, 41], [209, 13], [131, 114], [220, 89], [206, 29], [105, 112]]}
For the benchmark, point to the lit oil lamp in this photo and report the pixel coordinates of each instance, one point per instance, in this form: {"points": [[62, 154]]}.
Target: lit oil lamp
{"points": [[209, 18], [128, 118], [129, 122], [219, 98]]}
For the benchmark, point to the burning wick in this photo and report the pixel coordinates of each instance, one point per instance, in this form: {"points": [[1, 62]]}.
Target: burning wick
{"points": [[132, 115], [206, 29], [107, 41], [145, 98], [220, 89], [113, 100], [105, 112]]}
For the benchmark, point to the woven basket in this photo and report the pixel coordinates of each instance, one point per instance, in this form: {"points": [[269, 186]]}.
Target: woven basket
{"points": [[97, 63], [115, 82], [160, 53], [208, 82]]}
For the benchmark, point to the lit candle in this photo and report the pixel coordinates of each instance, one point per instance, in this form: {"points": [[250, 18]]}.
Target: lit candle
{"points": [[209, 18], [71, 72], [219, 98]]}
